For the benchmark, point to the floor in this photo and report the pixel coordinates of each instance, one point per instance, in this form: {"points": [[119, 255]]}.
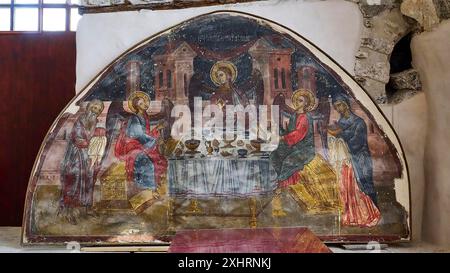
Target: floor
{"points": [[10, 242]]}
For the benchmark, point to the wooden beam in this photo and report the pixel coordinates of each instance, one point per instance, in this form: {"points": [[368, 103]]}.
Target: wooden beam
{"points": [[176, 4]]}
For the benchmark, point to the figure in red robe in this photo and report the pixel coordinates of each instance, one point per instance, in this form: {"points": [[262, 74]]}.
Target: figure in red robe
{"points": [[296, 148]]}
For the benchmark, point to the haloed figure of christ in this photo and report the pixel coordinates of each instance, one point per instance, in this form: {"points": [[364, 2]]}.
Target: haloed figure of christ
{"points": [[223, 75], [78, 168], [138, 146]]}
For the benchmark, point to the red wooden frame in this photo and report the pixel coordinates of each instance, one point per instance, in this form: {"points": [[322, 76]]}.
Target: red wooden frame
{"points": [[32, 65]]}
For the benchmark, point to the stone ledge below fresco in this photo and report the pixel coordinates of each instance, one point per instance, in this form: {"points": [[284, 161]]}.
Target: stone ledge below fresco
{"points": [[10, 242]]}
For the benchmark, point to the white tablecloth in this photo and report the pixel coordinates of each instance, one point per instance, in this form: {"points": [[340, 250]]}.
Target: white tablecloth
{"points": [[215, 176]]}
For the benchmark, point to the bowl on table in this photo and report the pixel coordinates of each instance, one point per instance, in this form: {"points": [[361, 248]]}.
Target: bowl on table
{"points": [[192, 145], [256, 143], [242, 152], [225, 153]]}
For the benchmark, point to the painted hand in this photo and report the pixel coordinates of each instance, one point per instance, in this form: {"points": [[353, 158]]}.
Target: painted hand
{"points": [[334, 132], [160, 126]]}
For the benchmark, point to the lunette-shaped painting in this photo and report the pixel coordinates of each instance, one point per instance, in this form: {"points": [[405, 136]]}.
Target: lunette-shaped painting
{"points": [[226, 120]]}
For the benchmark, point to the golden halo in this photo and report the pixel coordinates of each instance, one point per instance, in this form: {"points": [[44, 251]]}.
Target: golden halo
{"points": [[137, 94], [223, 65], [305, 93]]}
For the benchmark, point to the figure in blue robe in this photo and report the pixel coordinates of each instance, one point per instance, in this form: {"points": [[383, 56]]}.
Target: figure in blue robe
{"points": [[144, 171], [353, 130], [137, 145]]}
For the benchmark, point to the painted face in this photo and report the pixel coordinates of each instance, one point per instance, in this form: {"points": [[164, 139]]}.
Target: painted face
{"points": [[341, 107], [142, 105], [222, 77], [300, 103], [96, 109]]}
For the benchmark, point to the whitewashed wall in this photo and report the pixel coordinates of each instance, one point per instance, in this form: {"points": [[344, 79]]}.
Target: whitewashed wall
{"points": [[334, 26]]}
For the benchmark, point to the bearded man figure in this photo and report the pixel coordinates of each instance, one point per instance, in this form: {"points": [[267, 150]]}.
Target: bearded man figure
{"points": [[78, 175]]}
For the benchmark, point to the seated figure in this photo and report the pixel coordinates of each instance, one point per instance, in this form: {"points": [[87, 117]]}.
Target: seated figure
{"points": [[137, 145], [309, 177]]}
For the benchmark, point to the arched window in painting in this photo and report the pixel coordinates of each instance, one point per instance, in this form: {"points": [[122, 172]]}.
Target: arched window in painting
{"points": [[169, 78], [161, 79], [283, 78], [306, 74], [185, 85], [275, 78]]}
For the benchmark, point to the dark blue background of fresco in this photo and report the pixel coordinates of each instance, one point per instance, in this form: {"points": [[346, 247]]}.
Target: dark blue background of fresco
{"points": [[217, 33]]}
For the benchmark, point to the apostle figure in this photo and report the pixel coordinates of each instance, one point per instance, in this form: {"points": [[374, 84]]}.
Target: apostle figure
{"points": [[78, 173], [309, 176], [296, 147], [138, 145]]}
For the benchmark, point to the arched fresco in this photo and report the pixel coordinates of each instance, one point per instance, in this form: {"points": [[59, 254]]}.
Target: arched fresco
{"points": [[223, 121]]}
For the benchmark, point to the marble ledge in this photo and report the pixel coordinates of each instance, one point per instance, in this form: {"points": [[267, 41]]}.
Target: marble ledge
{"points": [[10, 243]]}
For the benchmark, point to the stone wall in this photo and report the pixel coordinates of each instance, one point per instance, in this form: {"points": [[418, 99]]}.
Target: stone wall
{"points": [[431, 57], [379, 35]]}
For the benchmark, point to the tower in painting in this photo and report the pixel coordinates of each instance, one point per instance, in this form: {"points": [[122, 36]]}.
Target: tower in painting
{"points": [[273, 60], [173, 71], [307, 78]]}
